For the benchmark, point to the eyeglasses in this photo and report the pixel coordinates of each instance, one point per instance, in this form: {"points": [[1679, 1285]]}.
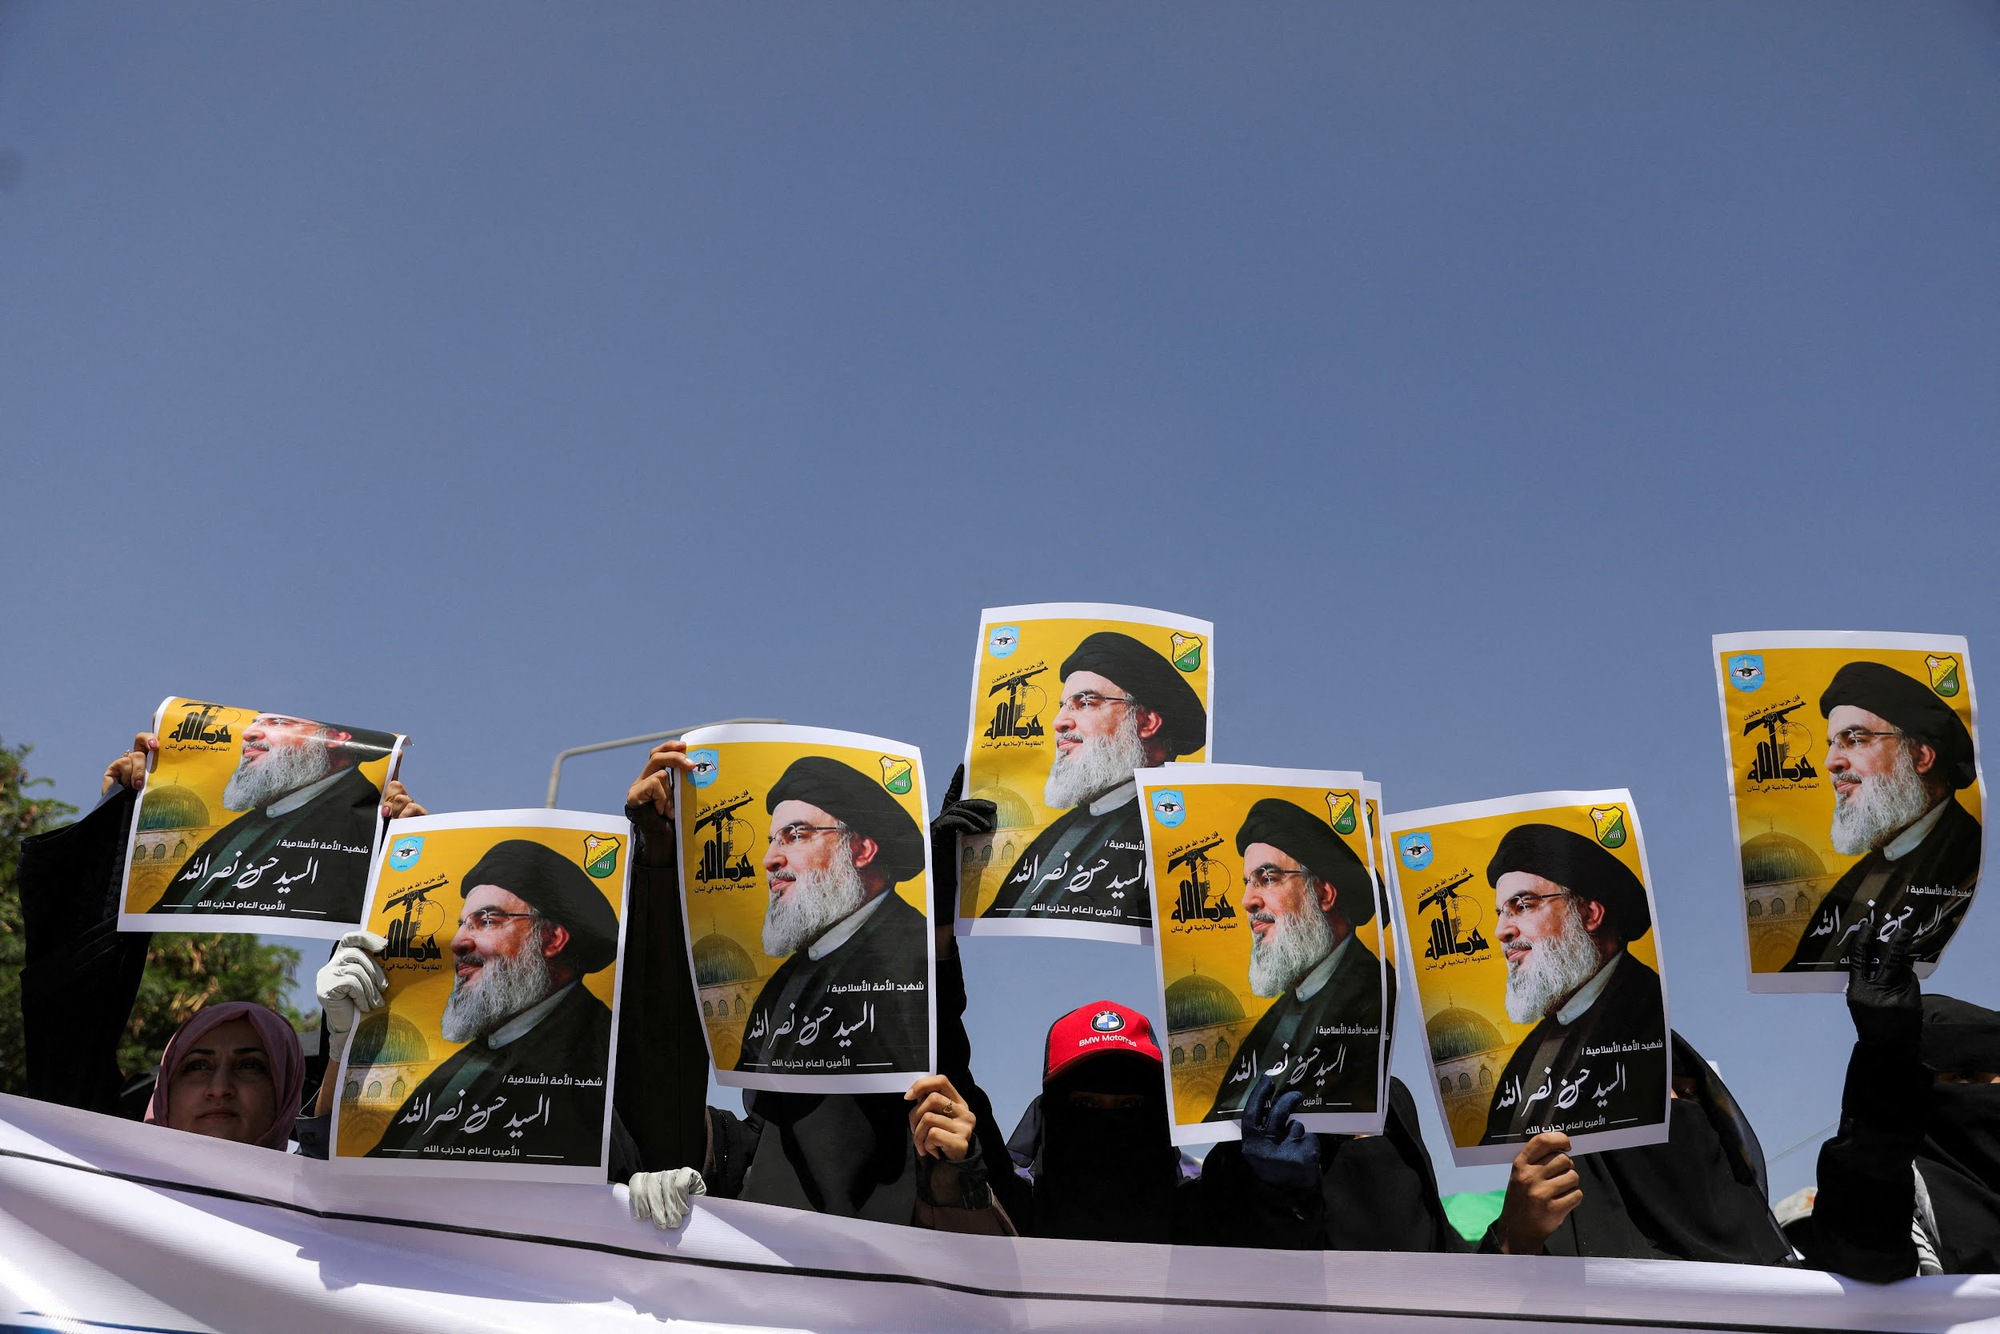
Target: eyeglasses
{"points": [[798, 832], [1518, 905], [1083, 701], [1270, 877], [485, 919], [1850, 738]]}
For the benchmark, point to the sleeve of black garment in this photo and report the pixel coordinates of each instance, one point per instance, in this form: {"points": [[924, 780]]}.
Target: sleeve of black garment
{"points": [[954, 1048], [662, 1083], [1867, 1190], [1233, 1206], [81, 974]]}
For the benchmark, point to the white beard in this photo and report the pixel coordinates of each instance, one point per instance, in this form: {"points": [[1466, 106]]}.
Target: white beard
{"points": [[816, 901], [501, 989], [1882, 807], [1553, 970], [282, 771], [1294, 947], [1096, 766]]}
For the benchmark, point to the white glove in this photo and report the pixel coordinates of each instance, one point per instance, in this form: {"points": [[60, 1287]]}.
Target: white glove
{"points": [[664, 1198], [351, 984]]}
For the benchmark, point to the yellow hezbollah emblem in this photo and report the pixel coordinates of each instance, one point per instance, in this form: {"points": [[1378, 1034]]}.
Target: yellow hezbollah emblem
{"points": [[1341, 804], [896, 774], [600, 855], [1944, 674], [1187, 652], [1610, 822]]}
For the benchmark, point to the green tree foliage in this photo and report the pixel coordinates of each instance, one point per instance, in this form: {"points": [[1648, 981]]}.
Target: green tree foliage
{"points": [[183, 972]]}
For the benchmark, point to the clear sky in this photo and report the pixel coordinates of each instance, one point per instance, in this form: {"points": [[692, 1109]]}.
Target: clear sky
{"points": [[525, 376]]}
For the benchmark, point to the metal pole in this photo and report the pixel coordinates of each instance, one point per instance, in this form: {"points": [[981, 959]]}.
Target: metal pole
{"points": [[555, 773]]}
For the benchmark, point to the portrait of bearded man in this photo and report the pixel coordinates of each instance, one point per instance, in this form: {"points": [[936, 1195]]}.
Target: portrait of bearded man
{"points": [[1897, 755], [307, 828], [532, 1073], [1304, 893], [1566, 909], [1124, 707], [853, 993]]}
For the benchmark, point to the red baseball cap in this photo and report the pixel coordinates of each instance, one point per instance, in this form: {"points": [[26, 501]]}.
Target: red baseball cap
{"points": [[1093, 1030]]}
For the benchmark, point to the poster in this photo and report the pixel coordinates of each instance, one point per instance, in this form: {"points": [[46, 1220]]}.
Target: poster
{"points": [[494, 1054], [1385, 917], [805, 873], [1269, 944], [1529, 924], [1855, 790], [255, 821], [1068, 699]]}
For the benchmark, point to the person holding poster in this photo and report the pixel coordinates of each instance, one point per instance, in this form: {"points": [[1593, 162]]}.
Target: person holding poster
{"points": [[1131, 690], [1865, 822], [494, 1051], [297, 855], [836, 924], [1557, 1021], [1304, 893]]}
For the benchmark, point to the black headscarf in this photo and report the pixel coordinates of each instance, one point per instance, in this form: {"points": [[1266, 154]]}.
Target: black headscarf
{"points": [[1101, 1175], [1700, 1196], [1960, 1154]]}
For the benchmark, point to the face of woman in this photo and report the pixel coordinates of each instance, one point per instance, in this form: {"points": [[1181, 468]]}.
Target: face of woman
{"points": [[223, 1085]]}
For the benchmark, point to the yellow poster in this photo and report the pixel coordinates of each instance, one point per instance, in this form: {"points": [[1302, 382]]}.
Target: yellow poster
{"points": [[494, 1054], [1385, 872], [1529, 924], [1855, 787], [1269, 944], [805, 873], [1068, 699], [255, 821]]}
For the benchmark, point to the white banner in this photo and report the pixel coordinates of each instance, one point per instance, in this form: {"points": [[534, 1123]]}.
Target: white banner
{"points": [[108, 1224]]}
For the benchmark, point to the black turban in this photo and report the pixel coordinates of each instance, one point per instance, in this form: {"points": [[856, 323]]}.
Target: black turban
{"points": [[1580, 866], [1311, 842], [558, 889], [1146, 675], [1960, 1036], [860, 803], [1912, 708]]}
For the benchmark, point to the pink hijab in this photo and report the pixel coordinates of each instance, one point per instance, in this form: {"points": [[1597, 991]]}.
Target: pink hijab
{"points": [[281, 1045]]}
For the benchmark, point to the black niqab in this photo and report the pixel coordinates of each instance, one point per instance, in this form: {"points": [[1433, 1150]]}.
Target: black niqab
{"points": [[1960, 1154]]}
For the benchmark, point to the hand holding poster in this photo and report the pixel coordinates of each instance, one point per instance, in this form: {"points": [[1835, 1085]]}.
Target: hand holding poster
{"points": [[1285, 981], [1529, 924], [1068, 698], [805, 870], [306, 797], [1854, 783], [494, 1052]]}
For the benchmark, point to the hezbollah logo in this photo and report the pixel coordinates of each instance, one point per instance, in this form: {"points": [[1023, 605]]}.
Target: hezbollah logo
{"points": [[896, 774], [1187, 652], [1341, 804], [600, 855], [1610, 822], [1944, 674]]}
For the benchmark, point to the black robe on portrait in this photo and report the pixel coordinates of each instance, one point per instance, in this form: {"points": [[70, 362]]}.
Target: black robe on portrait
{"points": [[1351, 998], [571, 1042], [883, 966], [337, 828], [1630, 1014], [1936, 878], [1082, 868]]}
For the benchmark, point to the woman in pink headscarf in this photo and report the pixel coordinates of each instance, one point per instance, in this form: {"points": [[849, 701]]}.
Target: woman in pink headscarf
{"points": [[235, 1072]]}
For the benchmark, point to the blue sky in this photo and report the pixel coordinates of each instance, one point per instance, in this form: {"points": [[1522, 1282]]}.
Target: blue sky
{"points": [[538, 376]]}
